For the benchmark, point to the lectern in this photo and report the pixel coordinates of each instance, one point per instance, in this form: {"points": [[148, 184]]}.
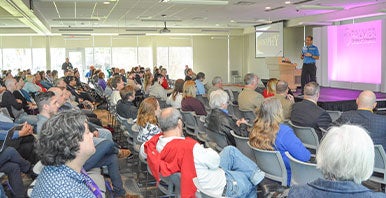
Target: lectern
{"points": [[283, 71]]}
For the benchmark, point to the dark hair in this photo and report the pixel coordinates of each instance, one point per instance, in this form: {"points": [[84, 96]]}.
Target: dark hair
{"points": [[178, 88], [59, 139], [68, 79], [114, 82], [312, 38], [200, 75], [17, 78], [44, 98], [156, 77], [127, 91]]}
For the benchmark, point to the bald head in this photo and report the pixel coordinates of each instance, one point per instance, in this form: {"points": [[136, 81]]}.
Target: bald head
{"points": [[168, 119], [366, 99], [281, 87]]}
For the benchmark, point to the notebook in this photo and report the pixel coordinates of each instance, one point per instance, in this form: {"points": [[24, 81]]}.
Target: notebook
{"points": [[4, 143]]}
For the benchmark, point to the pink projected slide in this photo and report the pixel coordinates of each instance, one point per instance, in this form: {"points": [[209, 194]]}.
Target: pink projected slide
{"points": [[355, 52]]}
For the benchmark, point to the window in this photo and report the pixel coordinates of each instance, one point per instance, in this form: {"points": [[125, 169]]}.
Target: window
{"points": [[100, 57], [38, 59], [125, 57], [175, 59], [145, 57], [19, 58], [58, 56]]}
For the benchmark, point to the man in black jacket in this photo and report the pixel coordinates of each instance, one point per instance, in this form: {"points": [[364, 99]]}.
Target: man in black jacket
{"points": [[14, 106], [364, 116], [307, 113]]}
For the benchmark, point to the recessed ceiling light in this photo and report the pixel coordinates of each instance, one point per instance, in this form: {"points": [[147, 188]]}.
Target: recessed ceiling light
{"points": [[287, 2], [267, 8], [106, 2]]}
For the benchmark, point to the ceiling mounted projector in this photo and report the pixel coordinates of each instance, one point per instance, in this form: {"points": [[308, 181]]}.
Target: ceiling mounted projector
{"points": [[165, 29]]}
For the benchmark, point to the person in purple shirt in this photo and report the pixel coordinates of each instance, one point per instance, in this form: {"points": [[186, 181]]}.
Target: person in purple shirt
{"points": [[269, 133], [101, 80]]}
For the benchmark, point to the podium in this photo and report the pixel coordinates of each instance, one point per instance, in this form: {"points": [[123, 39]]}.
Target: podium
{"points": [[283, 71]]}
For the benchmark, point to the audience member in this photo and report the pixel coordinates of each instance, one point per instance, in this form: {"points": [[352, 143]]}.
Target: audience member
{"points": [[106, 153], [270, 90], [14, 106], [28, 103], [217, 84], [229, 173], [148, 79], [12, 164], [346, 159], [117, 84], [268, 133], [165, 83], [286, 100], [125, 106], [219, 120], [307, 113], [364, 116], [101, 80], [38, 80], [249, 99], [156, 89], [30, 85], [147, 119], [64, 146], [189, 101], [176, 97], [190, 75], [199, 84], [22, 140]]}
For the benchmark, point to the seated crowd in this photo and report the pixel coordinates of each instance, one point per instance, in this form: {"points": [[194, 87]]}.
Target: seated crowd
{"points": [[57, 128]]}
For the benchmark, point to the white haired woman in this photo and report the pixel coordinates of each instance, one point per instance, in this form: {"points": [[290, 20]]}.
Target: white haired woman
{"points": [[219, 119], [346, 158]]}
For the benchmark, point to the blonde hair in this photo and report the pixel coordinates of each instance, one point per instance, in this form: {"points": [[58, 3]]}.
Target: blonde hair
{"points": [[148, 79], [29, 78], [271, 85], [146, 112], [189, 89], [266, 126]]}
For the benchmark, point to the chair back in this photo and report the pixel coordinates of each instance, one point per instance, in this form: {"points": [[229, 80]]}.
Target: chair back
{"points": [[173, 185], [218, 137], [230, 94], [235, 95], [236, 111], [271, 163], [190, 124], [201, 129], [205, 101], [307, 135], [136, 143], [379, 165], [302, 172], [242, 145], [334, 115], [162, 103]]}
